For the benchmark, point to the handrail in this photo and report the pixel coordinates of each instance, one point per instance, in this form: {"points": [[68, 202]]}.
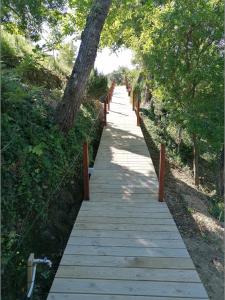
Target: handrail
{"points": [[162, 163], [85, 171], [108, 99], [161, 172]]}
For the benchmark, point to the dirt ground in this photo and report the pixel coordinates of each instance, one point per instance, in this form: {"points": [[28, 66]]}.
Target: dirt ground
{"points": [[202, 234]]}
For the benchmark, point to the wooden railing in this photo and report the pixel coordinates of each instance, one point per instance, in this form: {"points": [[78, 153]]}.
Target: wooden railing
{"points": [[85, 172], [162, 160], [108, 99], [162, 164], [135, 106]]}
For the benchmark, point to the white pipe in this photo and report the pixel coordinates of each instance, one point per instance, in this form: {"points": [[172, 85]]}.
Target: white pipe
{"points": [[32, 282], [35, 263]]}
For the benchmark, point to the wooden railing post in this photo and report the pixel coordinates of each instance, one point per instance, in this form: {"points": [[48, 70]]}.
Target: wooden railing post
{"points": [[105, 112], [129, 90], [126, 83], [30, 270], [85, 171], [133, 101], [108, 100], [161, 172], [138, 113]]}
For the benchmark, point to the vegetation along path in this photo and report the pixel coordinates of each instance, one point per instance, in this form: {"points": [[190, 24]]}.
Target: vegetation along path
{"points": [[125, 244]]}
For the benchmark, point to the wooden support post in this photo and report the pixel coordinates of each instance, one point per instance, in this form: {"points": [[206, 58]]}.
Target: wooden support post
{"points": [[133, 101], [105, 112], [138, 113], [108, 100], [30, 270], [129, 90], [126, 83], [161, 172], [85, 171]]}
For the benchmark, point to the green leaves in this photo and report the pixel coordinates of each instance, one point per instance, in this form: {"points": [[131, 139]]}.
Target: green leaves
{"points": [[37, 162], [38, 149], [97, 85]]}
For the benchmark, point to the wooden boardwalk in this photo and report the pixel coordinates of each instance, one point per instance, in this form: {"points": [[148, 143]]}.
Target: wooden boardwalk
{"points": [[125, 244]]}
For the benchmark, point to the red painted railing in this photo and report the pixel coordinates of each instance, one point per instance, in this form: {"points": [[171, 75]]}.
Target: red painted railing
{"points": [[85, 171], [162, 164]]}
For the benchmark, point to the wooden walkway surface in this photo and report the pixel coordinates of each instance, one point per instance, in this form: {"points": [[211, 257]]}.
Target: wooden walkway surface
{"points": [[125, 244]]}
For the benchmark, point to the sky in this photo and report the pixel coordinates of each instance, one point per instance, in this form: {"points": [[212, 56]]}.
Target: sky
{"points": [[106, 61]]}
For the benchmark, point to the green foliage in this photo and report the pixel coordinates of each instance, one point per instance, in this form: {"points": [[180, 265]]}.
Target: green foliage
{"points": [[33, 66], [67, 53], [97, 85], [181, 52], [13, 48], [217, 208], [178, 47], [36, 157], [119, 75], [37, 160], [27, 17]]}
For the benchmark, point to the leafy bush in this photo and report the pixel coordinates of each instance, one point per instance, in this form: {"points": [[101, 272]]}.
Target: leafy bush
{"points": [[36, 160], [217, 208], [31, 64], [97, 85], [14, 45], [31, 71]]}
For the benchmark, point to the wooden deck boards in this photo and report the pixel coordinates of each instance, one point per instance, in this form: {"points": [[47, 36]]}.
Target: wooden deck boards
{"points": [[124, 244]]}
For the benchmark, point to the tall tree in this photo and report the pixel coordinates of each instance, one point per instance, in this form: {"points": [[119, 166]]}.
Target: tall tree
{"points": [[181, 49], [27, 16], [72, 98]]}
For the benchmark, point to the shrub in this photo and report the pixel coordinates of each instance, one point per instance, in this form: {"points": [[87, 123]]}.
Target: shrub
{"points": [[37, 160], [97, 85]]}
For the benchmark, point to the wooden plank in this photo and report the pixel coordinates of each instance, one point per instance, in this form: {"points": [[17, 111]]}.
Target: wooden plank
{"points": [[125, 201], [124, 213], [153, 186], [127, 234], [133, 161], [126, 251], [62, 296], [126, 242], [130, 227], [139, 221], [128, 287], [153, 190], [167, 275], [126, 182], [141, 181], [120, 168], [127, 210], [120, 199], [87, 205], [146, 193], [143, 173], [179, 263], [135, 227], [145, 196]]}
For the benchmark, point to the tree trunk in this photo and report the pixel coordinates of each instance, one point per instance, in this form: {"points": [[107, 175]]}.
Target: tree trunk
{"points": [[195, 160], [69, 106]]}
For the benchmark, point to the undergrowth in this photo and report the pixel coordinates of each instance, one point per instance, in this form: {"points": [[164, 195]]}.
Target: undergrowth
{"points": [[182, 158], [41, 167]]}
